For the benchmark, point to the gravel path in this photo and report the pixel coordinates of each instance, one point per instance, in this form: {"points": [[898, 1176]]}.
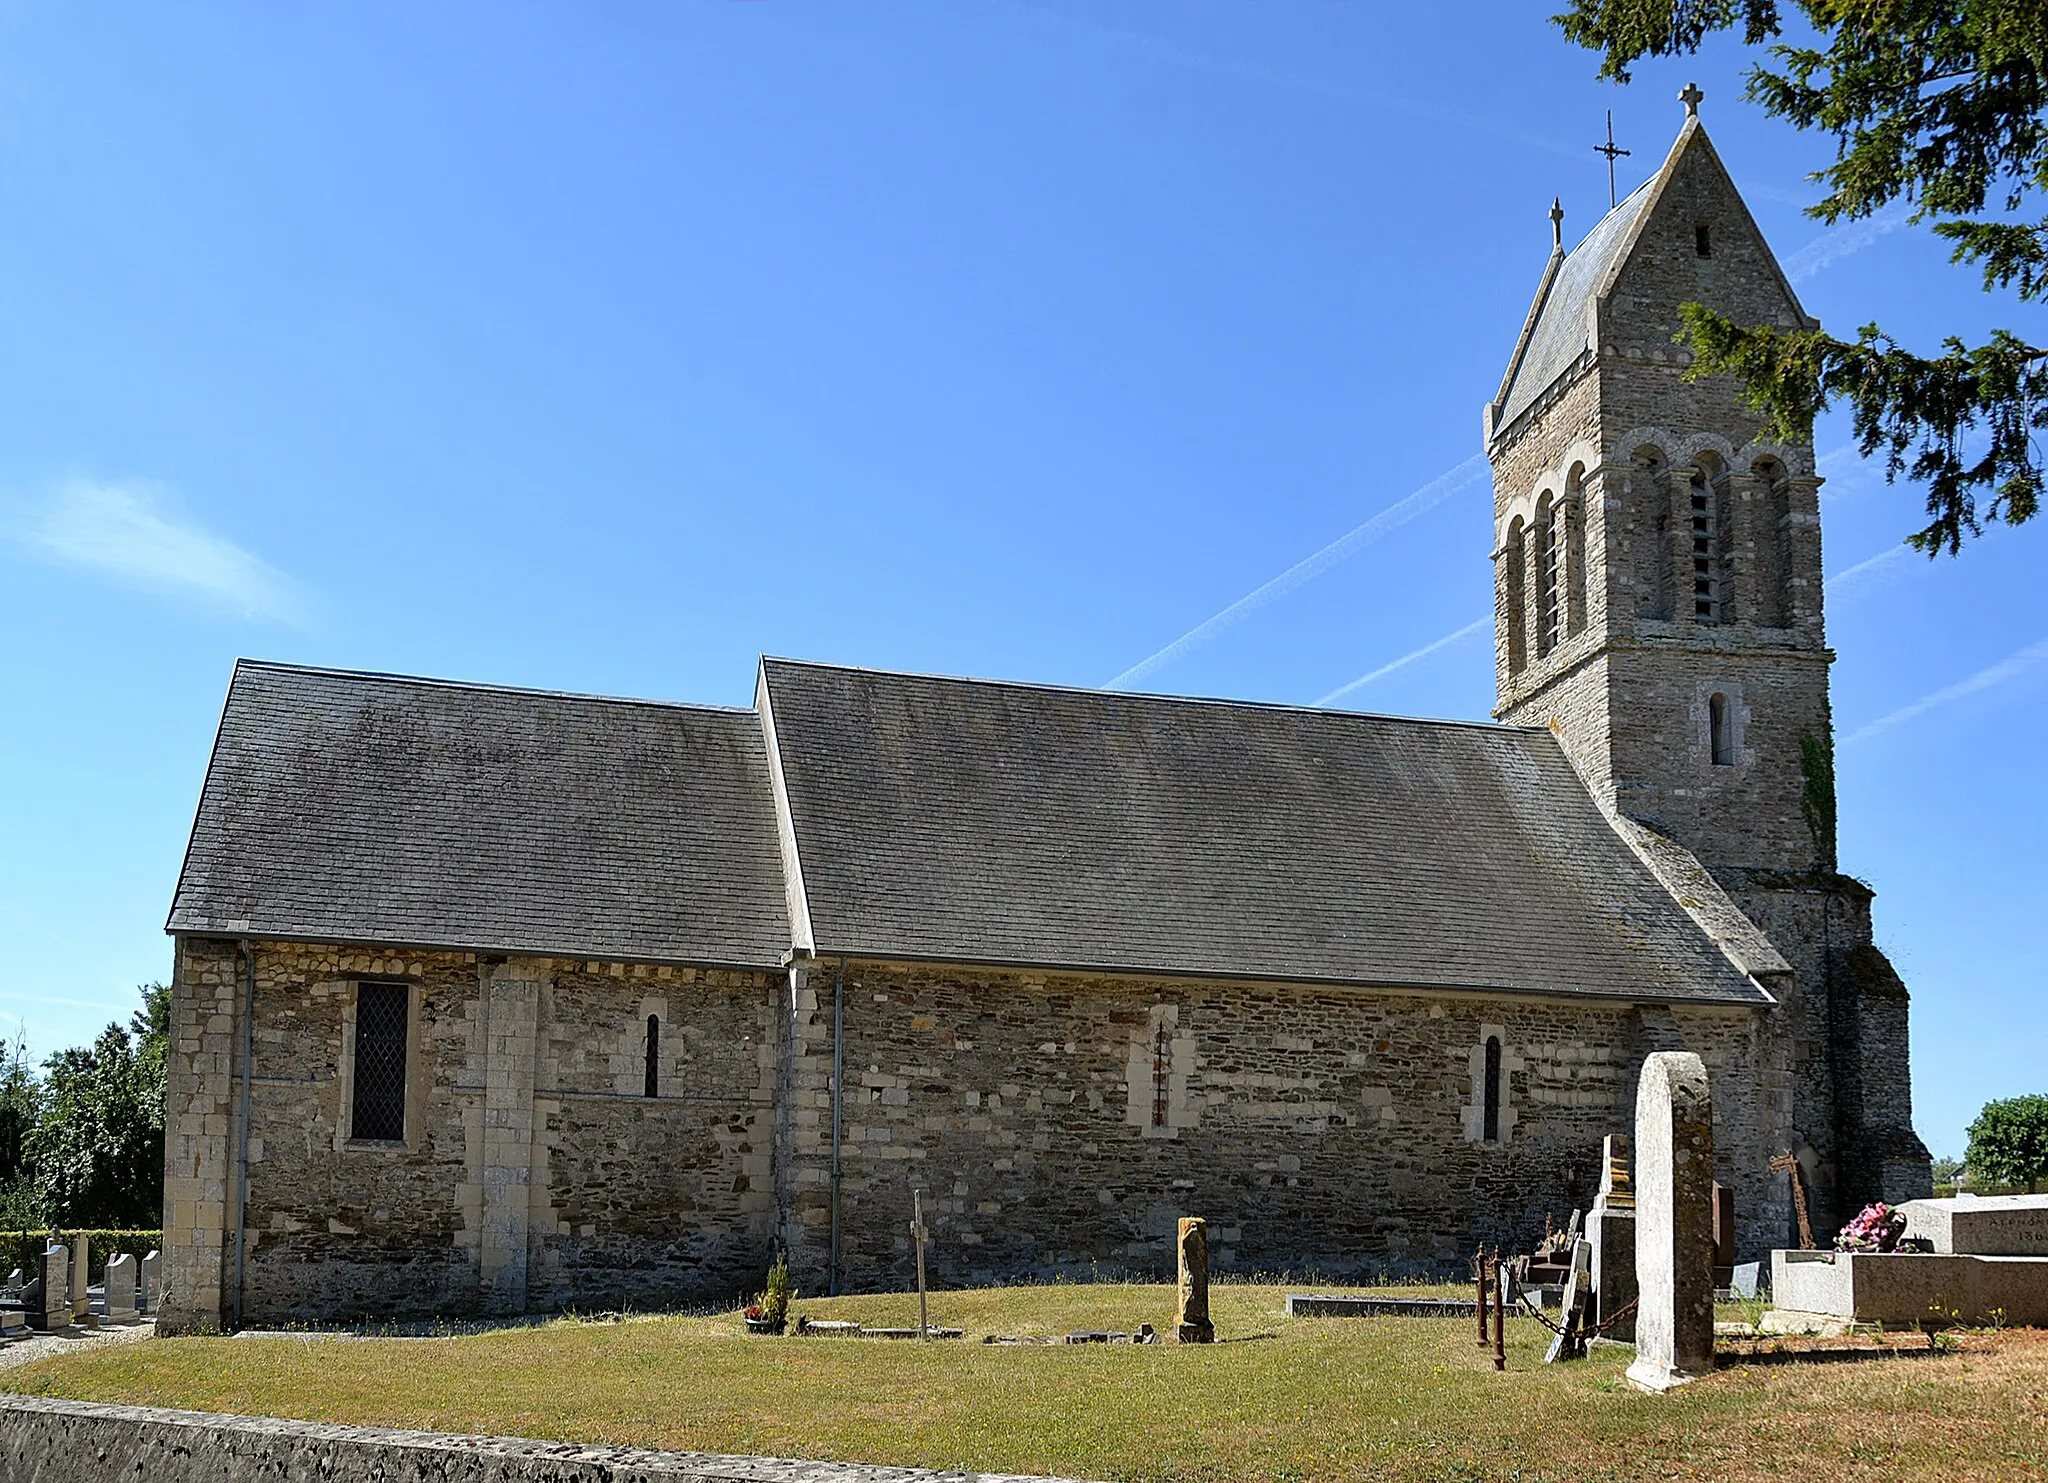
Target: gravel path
{"points": [[43, 1346]]}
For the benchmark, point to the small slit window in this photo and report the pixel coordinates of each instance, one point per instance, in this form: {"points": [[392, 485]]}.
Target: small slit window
{"points": [[378, 1113], [1162, 1069], [1720, 735], [653, 1085], [1490, 1119], [1702, 240]]}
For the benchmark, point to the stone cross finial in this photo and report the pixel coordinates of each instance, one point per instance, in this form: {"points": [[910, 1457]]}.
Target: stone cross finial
{"points": [[1691, 99], [1557, 221]]}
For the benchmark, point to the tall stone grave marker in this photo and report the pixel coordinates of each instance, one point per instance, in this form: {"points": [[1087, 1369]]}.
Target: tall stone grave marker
{"points": [[147, 1295], [55, 1311], [81, 1300], [1193, 1326], [1674, 1222], [120, 1288], [1612, 1229]]}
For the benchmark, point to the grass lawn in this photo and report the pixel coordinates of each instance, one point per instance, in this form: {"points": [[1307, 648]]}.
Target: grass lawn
{"points": [[1292, 1401]]}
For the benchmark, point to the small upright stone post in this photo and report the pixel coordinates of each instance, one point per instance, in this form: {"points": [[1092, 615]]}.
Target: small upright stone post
{"points": [[56, 1304], [1674, 1222], [1611, 1227], [147, 1295], [1193, 1325], [121, 1288], [81, 1300]]}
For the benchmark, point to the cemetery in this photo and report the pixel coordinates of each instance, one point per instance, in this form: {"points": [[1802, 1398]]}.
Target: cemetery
{"points": [[1624, 1366]]}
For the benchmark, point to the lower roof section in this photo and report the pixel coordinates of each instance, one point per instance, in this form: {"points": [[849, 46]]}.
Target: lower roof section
{"points": [[362, 808]]}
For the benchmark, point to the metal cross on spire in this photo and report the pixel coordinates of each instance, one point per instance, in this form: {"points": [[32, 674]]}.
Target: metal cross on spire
{"points": [[1611, 150]]}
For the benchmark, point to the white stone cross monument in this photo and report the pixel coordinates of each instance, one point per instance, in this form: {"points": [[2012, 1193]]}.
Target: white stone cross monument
{"points": [[120, 1288], [1674, 1222]]}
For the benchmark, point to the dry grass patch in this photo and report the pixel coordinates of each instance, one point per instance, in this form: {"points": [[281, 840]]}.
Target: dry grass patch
{"points": [[1294, 1401]]}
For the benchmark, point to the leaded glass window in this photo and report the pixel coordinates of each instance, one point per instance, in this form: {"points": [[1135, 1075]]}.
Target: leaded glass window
{"points": [[379, 1112]]}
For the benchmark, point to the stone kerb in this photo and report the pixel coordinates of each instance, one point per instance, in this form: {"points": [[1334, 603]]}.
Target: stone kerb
{"points": [[1674, 1142]]}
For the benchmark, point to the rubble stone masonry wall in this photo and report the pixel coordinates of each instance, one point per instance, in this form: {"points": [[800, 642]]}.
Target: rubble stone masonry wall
{"points": [[535, 1173], [1062, 1124]]}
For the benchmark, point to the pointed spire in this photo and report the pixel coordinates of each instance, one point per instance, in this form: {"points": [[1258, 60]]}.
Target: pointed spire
{"points": [[1557, 223], [1691, 98]]}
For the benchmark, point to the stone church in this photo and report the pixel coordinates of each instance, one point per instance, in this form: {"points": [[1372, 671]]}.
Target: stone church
{"points": [[493, 1000]]}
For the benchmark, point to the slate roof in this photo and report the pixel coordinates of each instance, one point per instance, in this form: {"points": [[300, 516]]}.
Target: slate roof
{"points": [[1563, 329], [351, 807], [972, 821]]}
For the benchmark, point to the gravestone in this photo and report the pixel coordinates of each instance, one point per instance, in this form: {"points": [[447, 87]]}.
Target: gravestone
{"points": [[1724, 1235], [81, 1300], [1611, 1227], [147, 1298], [1193, 1326], [14, 1280], [1674, 1222], [1981, 1225], [120, 1288], [1745, 1279], [1576, 1309], [53, 1312]]}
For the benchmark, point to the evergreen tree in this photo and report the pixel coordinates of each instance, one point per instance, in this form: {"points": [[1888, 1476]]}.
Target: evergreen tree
{"points": [[1940, 103]]}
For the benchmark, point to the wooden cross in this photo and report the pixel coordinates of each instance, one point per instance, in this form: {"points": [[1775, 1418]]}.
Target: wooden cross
{"points": [[1786, 1163], [1611, 150]]}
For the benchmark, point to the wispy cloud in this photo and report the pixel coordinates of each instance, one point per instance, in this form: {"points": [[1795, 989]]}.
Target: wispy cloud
{"points": [[1838, 242], [130, 532], [2007, 669], [1430, 495], [1475, 626], [1301, 82], [1869, 564]]}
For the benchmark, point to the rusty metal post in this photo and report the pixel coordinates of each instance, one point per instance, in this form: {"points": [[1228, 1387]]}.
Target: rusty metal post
{"points": [[1479, 1281], [1500, 1315]]}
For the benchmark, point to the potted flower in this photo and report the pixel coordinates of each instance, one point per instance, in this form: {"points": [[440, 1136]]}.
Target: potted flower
{"points": [[768, 1313]]}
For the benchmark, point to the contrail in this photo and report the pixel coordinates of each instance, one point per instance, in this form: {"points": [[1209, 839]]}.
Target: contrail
{"points": [[1831, 246], [1884, 557], [1428, 497], [2010, 667], [1422, 653]]}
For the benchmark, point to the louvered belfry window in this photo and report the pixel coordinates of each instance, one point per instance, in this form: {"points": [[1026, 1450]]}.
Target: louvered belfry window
{"points": [[379, 1113]]}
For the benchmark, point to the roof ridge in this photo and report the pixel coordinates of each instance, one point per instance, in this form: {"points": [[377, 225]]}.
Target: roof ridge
{"points": [[1219, 701], [430, 682]]}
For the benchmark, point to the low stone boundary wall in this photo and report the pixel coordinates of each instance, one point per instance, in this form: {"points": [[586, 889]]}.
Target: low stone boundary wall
{"points": [[57, 1441], [1338, 1305]]}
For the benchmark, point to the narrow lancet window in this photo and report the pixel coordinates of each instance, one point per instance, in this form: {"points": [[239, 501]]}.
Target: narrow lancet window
{"points": [[1720, 735], [1162, 1070], [1548, 534], [1512, 600], [378, 1111], [653, 1087], [1490, 1123], [1705, 590]]}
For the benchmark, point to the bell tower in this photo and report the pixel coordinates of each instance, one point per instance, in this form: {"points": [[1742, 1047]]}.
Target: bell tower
{"points": [[1658, 607], [1657, 558]]}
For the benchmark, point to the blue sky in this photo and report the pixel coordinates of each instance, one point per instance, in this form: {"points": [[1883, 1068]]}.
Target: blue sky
{"points": [[604, 347]]}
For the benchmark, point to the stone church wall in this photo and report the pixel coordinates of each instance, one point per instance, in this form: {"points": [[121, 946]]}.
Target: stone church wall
{"points": [[1317, 1129], [534, 1174]]}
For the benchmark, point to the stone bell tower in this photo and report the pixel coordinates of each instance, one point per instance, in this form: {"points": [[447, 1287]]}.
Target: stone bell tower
{"points": [[1658, 606]]}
